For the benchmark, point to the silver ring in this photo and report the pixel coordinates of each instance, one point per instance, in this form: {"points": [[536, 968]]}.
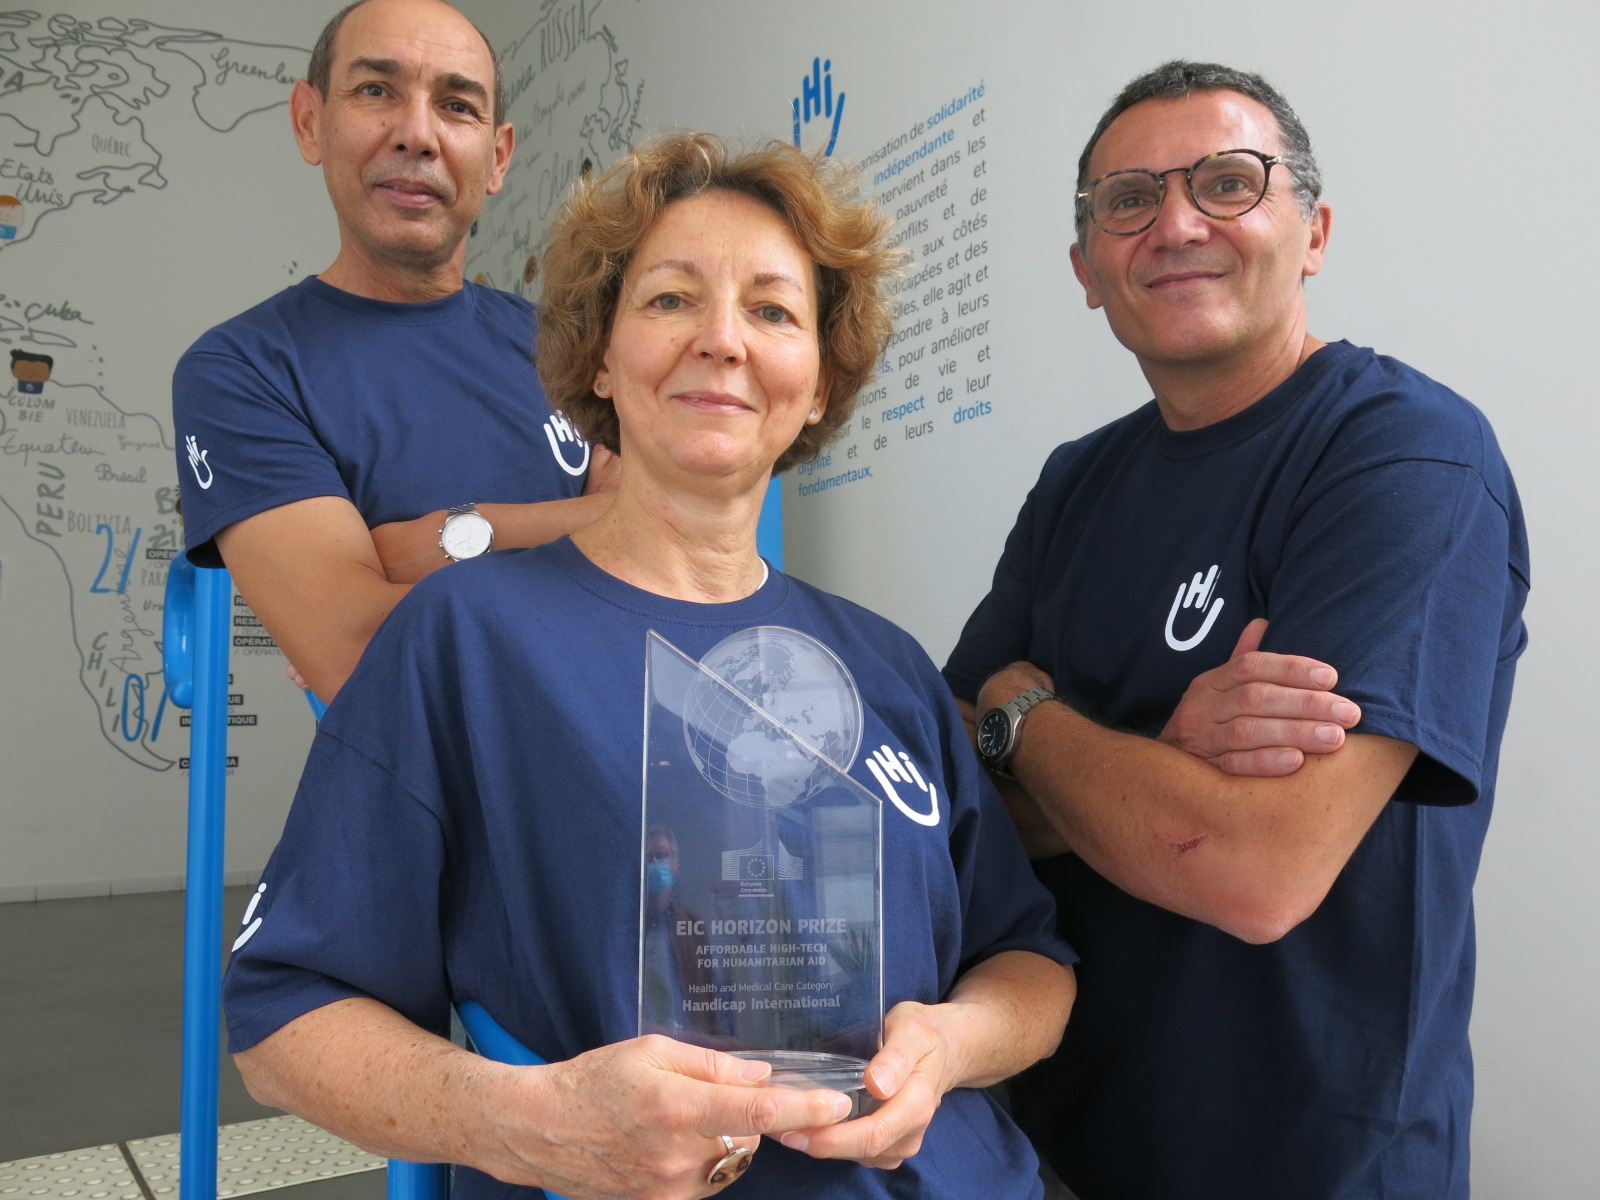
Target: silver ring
{"points": [[735, 1161]]}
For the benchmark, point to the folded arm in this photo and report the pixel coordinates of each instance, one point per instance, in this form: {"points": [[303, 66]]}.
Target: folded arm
{"points": [[1252, 856], [1261, 713], [410, 550], [1258, 714], [310, 572], [639, 1117], [322, 583]]}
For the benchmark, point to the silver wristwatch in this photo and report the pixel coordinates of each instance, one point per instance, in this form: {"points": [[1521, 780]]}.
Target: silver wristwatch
{"points": [[466, 533], [999, 728]]}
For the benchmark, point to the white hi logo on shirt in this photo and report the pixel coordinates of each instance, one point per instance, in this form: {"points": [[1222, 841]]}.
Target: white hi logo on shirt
{"points": [[197, 459], [561, 433], [885, 766], [251, 922], [1194, 594]]}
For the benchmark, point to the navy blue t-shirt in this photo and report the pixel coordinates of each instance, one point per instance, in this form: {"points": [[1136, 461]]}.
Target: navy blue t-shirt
{"points": [[1367, 512], [401, 408], [468, 828]]}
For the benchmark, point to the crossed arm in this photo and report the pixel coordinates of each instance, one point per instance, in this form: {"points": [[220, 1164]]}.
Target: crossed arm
{"points": [[1240, 815], [642, 1117], [322, 582]]}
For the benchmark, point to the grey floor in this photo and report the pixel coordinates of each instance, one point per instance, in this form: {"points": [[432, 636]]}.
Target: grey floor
{"points": [[90, 1009]]}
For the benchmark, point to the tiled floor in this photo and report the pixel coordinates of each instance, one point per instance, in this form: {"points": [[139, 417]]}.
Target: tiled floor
{"points": [[90, 995], [254, 1156]]}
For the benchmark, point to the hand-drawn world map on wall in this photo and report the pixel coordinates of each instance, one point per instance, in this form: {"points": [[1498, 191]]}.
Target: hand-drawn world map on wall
{"points": [[86, 469], [574, 100]]}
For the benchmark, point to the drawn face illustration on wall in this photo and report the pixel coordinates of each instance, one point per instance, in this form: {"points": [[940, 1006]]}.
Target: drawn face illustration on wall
{"points": [[31, 371], [10, 218]]}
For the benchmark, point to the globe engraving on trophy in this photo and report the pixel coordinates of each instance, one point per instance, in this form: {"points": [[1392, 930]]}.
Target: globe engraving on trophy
{"points": [[802, 686]]}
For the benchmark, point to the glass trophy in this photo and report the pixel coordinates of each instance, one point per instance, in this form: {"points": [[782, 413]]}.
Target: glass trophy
{"points": [[761, 914]]}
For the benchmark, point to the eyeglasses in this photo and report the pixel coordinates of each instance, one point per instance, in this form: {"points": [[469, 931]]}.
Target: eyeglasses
{"points": [[1225, 185]]}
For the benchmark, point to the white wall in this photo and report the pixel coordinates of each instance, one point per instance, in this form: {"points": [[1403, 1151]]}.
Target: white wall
{"points": [[1430, 119]]}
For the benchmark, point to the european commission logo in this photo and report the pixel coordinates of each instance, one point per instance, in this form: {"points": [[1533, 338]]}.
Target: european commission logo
{"points": [[816, 100]]}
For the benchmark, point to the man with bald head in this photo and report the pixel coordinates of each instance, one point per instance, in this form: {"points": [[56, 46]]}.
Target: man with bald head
{"points": [[1277, 961], [383, 419]]}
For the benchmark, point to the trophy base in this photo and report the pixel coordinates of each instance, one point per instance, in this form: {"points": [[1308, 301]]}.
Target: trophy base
{"points": [[804, 1069]]}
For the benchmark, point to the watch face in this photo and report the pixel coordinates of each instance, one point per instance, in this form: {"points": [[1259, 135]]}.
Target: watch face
{"points": [[992, 733], [466, 535]]}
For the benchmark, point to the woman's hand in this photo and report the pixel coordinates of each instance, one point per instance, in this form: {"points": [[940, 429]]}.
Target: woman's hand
{"points": [[643, 1118], [1004, 1014], [910, 1074]]}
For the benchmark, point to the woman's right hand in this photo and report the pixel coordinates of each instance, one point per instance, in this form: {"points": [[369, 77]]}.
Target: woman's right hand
{"points": [[640, 1119]]}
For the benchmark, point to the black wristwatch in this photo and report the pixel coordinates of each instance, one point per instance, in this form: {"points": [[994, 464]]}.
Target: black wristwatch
{"points": [[1000, 727], [466, 533]]}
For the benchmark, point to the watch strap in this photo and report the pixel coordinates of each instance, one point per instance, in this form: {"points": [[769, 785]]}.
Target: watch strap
{"points": [[1015, 709]]}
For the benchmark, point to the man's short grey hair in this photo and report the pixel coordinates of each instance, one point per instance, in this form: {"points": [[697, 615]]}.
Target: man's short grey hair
{"points": [[320, 73], [1179, 78]]}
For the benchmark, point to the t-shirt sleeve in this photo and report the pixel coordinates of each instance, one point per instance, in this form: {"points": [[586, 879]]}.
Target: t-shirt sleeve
{"points": [[348, 905], [243, 447], [1403, 576]]}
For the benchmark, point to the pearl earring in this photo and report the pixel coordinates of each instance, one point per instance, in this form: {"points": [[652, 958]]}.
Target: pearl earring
{"points": [[601, 389], [814, 417]]}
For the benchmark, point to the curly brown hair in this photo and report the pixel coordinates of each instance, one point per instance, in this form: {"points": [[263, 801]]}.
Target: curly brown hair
{"points": [[606, 219]]}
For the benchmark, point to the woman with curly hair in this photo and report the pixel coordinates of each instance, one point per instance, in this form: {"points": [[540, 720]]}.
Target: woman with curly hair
{"points": [[468, 828]]}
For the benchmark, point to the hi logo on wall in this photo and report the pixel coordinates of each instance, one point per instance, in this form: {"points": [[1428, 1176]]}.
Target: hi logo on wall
{"points": [[816, 100]]}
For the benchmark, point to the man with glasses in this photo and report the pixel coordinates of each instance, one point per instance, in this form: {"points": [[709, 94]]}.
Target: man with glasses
{"points": [[1277, 963]]}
